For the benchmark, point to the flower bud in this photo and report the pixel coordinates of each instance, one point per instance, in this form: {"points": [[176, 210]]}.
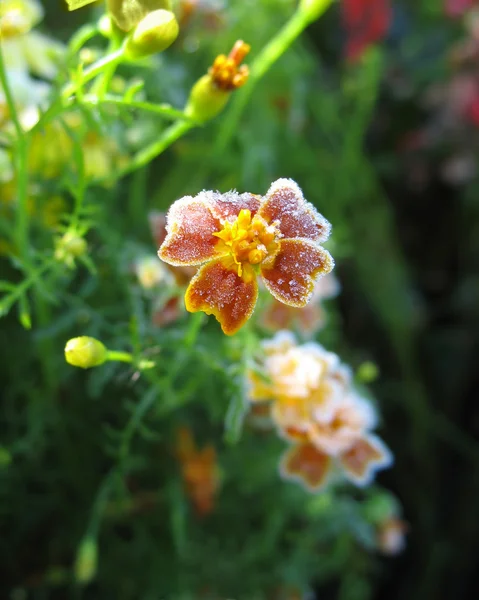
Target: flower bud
{"points": [[70, 246], [313, 9], [367, 372], [86, 560], [210, 93], [206, 100], [85, 352], [128, 13], [158, 30]]}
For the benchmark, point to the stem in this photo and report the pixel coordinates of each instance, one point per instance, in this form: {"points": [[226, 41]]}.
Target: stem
{"points": [[20, 160], [120, 356], [170, 135], [9, 97], [164, 110], [261, 65], [111, 59]]}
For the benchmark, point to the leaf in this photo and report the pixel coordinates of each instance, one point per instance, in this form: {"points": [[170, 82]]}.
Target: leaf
{"points": [[74, 4]]}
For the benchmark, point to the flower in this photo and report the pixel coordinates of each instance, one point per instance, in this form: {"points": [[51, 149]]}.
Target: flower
{"points": [[199, 470], [235, 237], [305, 384], [314, 405], [312, 467], [365, 22], [308, 320]]}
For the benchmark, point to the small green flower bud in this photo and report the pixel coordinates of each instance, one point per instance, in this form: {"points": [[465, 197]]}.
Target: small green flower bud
{"points": [[158, 30], [5, 458], [86, 560], [367, 372], [206, 100], [85, 352]]}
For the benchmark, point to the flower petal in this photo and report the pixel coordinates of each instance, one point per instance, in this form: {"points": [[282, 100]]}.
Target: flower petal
{"points": [[291, 276], [364, 458], [190, 226], [285, 203], [306, 464], [227, 206], [219, 291]]}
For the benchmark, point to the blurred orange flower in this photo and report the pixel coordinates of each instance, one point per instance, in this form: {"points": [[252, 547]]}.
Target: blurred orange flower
{"points": [[237, 236], [199, 471]]}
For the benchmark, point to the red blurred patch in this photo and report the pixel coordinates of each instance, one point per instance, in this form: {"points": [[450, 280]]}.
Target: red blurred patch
{"points": [[365, 22]]}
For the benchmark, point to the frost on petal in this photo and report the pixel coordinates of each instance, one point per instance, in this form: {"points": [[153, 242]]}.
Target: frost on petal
{"points": [[285, 203], [364, 458], [217, 290], [190, 227], [291, 277], [306, 464], [227, 206]]}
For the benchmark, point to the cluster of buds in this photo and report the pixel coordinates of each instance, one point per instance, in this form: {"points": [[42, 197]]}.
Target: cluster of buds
{"points": [[315, 407]]}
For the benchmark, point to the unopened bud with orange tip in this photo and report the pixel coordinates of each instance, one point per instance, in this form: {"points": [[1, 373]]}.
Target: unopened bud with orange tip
{"points": [[210, 93], [85, 352], [154, 33]]}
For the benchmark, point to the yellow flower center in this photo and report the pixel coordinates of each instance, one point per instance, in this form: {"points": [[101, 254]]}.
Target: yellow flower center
{"points": [[247, 241]]}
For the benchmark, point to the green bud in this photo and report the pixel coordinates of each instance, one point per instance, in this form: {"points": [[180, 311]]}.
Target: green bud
{"points": [[86, 560], [206, 100], [156, 32], [85, 352], [128, 13], [367, 372], [313, 9], [5, 458]]}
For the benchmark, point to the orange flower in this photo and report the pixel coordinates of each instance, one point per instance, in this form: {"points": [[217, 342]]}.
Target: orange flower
{"points": [[238, 236], [199, 471], [314, 468], [307, 465]]}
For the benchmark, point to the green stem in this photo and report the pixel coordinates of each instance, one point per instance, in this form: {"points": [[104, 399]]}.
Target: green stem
{"points": [[111, 59], [261, 65], [165, 110], [170, 135], [21, 164], [120, 356]]}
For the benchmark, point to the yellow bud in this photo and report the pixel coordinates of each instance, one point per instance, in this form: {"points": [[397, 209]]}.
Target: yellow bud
{"points": [[70, 246], [86, 560], [85, 352], [156, 32], [206, 100]]}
